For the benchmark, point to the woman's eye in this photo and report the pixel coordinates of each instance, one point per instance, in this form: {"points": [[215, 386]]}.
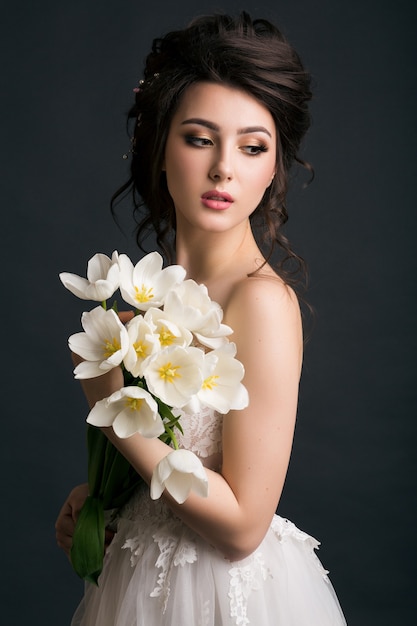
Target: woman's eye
{"points": [[199, 142], [254, 150]]}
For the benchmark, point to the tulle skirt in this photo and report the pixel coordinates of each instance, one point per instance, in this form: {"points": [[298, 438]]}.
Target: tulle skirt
{"points": [[157, 572]]}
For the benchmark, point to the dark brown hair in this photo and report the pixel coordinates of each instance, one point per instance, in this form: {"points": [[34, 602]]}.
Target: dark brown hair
{"points": [[251, 55]]}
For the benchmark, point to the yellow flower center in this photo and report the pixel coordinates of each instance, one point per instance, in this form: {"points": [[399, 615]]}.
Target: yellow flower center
{"points": [[209, 383], [166, 337], [168, 372], [144, 294], [134, 404], [141, 349], [110, 347]]}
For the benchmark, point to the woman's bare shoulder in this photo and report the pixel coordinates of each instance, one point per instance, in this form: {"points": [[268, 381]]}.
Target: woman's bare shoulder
{"points": [[265, 295], [265, 317]]}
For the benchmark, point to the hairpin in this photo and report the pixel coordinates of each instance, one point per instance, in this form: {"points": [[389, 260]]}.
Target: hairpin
{"points": [[142, 83], [125, 156], [138, 89]]}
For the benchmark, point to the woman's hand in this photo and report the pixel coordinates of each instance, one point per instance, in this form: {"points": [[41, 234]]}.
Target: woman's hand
{"points": [[68, 515], [67, 518]]}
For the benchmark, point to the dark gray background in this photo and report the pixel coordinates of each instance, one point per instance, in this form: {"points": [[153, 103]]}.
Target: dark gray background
{"points": [[67, 73]]}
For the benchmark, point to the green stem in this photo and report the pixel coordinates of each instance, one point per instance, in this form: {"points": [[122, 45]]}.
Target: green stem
{"points": [[173, 438]]}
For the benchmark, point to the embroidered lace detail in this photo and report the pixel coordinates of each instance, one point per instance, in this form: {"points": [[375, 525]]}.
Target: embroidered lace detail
{"points": [[137, 548], [140, 508], [202, 432], [173, 552], [153, 521], [243, 580], [284, 529]]}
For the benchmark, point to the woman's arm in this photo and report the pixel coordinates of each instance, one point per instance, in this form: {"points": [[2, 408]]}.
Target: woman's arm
{"points": [[235, 516]]}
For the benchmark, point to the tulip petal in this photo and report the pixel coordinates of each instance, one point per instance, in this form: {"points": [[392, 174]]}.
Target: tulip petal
{"points": [[178, 486], [101, 414], [179, 472], [157, 487], [88, 369], [102, 279], [98, 267], [75, 284]]}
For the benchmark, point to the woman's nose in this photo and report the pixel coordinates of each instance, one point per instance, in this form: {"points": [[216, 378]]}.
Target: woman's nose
{"points": [[222, 167]]}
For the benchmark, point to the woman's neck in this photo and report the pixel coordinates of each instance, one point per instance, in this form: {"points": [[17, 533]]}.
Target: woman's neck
{"points": [[207, 255], [218, 260]]}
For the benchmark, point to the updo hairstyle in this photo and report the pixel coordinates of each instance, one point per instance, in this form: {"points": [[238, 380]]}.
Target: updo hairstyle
{"points": [[250, 55]]}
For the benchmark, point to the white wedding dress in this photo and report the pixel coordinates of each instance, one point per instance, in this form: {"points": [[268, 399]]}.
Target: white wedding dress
{"points": [[157, 572]]}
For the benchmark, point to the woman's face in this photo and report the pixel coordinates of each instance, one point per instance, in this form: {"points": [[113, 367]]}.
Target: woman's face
{"points": [[220, 157]]}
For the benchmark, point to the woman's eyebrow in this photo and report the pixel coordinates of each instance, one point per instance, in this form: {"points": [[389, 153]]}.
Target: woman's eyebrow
{"points": [[254, 129], [242, 131], [200, 122]]}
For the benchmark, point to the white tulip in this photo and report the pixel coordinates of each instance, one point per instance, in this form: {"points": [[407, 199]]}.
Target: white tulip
{"points": [[130, 410], [222, 389], [174, 374], [101, 282], [145, 284], [179, 472], [190, 305], [168, 332], [103, 345], [142, 344]]}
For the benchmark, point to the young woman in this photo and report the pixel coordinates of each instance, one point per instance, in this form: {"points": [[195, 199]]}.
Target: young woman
{"points": [[218, 118]]}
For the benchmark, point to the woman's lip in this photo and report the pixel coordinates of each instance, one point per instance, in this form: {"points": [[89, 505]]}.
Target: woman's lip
{"points": [[217, 195], [218, 200]]}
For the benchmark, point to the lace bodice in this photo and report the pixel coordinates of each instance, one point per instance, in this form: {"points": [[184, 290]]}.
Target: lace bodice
{"points": [[202, 434]]}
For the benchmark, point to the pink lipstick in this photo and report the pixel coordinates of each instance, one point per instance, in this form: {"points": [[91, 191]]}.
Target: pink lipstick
{"points": [[218, 200]]}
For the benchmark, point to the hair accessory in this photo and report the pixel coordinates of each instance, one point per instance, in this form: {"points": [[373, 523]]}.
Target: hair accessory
{"points": [[125, 156], [138, 89], [142, 83]]}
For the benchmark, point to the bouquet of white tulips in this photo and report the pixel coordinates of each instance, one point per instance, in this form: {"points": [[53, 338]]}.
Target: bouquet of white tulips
{"points": [[174, 354]]}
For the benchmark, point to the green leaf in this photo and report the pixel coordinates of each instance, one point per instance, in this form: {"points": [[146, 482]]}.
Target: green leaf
{"points": [[110, 457], [87, 550], [120, 480], [164, 410], [96, 444], [120, 499], [110, 475]]}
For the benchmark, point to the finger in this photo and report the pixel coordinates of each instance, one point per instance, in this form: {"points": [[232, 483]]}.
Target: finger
{"points": [[66, 511], [76, 359], [64, 530], [126, 316], [76, 500], [65, 543]]}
